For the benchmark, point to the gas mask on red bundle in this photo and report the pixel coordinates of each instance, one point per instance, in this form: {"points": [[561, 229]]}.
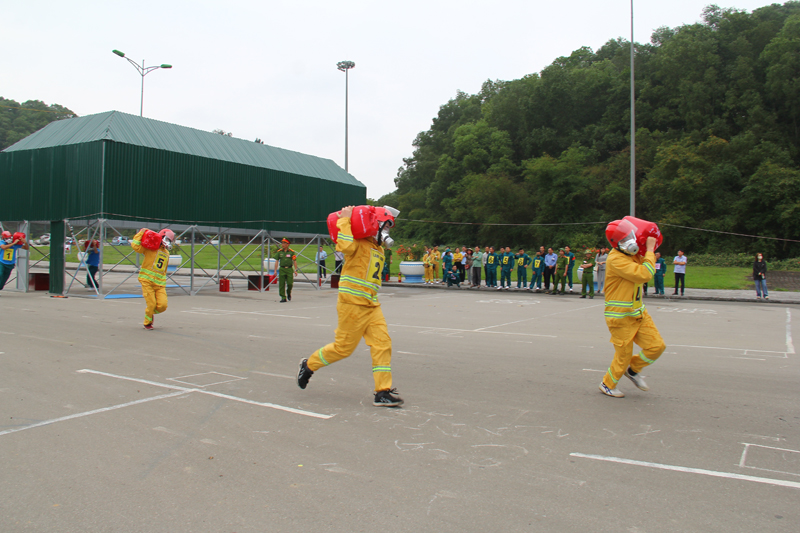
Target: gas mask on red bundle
{"points": [[630, 234]]}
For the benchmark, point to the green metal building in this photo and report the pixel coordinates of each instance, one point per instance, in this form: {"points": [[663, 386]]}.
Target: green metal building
{"points": [[119, 166]]}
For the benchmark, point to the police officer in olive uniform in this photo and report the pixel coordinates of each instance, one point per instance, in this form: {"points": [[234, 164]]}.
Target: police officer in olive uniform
{"points": [[287, 268]]}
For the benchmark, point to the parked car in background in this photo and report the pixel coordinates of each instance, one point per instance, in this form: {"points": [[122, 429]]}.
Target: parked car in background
{"points": [[119, 240], [44, 240]]}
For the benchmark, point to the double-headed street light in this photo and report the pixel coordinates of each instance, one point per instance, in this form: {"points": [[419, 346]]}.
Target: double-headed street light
{"points": [[144, 71], [344, 66]]}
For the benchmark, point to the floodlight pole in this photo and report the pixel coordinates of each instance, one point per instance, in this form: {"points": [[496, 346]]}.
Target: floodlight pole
{"points": [[345, 66], [633, 129], [143, 71]]}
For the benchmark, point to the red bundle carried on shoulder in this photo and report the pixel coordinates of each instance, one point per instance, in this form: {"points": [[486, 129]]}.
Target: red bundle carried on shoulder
{"points": [[90, 244], [19, 236], [151, 240]]}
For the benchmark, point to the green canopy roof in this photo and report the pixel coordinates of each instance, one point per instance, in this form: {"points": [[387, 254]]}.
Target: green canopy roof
{"points": [[130, 129]]}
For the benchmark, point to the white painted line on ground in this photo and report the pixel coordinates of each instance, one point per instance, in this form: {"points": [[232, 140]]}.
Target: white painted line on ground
{"points": [[222, 312], [789, 344], [210, 393], [713, 473], [538, 317], [743, 350], [431, 328], [273, 375], [743, 460], [93, 412], [180, 378]]}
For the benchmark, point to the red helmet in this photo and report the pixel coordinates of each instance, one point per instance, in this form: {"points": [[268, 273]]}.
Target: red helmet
{"points": [[167, 238], [630, 234], [6, 235]]}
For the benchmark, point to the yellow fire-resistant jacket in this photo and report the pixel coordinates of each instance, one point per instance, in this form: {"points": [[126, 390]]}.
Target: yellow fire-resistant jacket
{"points": [[154, 265], [360, 280], [625, 275]]}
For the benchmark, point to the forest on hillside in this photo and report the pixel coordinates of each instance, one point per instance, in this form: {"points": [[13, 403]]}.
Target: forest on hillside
{"points": [[17, 121], [717, 144]]}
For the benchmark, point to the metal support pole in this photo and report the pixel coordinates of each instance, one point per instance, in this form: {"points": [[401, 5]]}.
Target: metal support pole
{"points": [[191, 263], [633, 127]]}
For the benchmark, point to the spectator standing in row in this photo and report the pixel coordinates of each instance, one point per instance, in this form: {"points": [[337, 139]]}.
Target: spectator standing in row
{"points": [[458, 256], [587, 279], [680, 271], [322, 267], [491, 268], [600, 261], [387, 264], [338, 257], [537, 268], [92, 263], [437, 261], [427, 263], [549, 269], [658, 277], [523, 260], [447, 261], [562, 264], [477, 264], [569, 255], [760, 276], [506, 265], [468, 260]]}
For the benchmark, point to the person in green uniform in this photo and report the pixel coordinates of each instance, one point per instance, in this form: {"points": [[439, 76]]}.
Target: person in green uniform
{"points": [[287, 268], [523, 260], [658, 277], [491, 267], [506, 265], [537, 269], [588, 275], [447, 261], [387, 264], [562, 264], [568, 254]]}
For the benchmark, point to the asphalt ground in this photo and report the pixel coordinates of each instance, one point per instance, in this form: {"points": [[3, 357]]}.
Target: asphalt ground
{"points": [[199, 425]]}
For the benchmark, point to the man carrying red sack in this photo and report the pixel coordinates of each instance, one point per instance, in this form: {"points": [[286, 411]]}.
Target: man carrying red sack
{"points": [[153, 272], [358, 233], [9, 245], [626, 316]]}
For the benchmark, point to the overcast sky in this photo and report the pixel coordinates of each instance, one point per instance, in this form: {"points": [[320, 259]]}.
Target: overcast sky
{"points": [[267, 69]]}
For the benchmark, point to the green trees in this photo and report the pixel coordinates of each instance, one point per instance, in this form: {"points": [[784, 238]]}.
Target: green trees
{"points": [[17, 121], [718, 143]]}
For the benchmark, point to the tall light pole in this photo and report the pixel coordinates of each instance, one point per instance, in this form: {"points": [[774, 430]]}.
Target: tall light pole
{"points": [[633, 130], [344, 66], [144, 71]]}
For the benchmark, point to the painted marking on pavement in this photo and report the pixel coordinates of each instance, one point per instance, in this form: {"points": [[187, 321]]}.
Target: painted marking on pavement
{"points": [[93, 412], [273, 375], [713, 473], [747, 445], [789, 344], [431, 328], [210, 393], [538, 317]]}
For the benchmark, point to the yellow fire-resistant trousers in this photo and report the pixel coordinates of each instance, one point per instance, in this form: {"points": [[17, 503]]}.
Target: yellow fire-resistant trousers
{"points": [[428, 273], [624, 333], [355, 322], [155, 296]]}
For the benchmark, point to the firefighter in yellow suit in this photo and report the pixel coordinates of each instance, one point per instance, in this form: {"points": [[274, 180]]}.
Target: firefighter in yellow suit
{"points": [[626, 316], [153, 274], [359, 312]]}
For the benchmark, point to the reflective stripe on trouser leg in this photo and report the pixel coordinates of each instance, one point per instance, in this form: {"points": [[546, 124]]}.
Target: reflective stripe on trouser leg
{"points": [[355, 322], [149, 292], [649, 339], [377, 338], [624, 333]]}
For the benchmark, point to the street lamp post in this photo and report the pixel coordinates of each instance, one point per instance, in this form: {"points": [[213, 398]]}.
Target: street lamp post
{"points": [[143, 71], [344, 66], [633, 130]]}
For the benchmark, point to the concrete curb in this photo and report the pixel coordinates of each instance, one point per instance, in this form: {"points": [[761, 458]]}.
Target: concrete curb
{"points": [[707, 295]]}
